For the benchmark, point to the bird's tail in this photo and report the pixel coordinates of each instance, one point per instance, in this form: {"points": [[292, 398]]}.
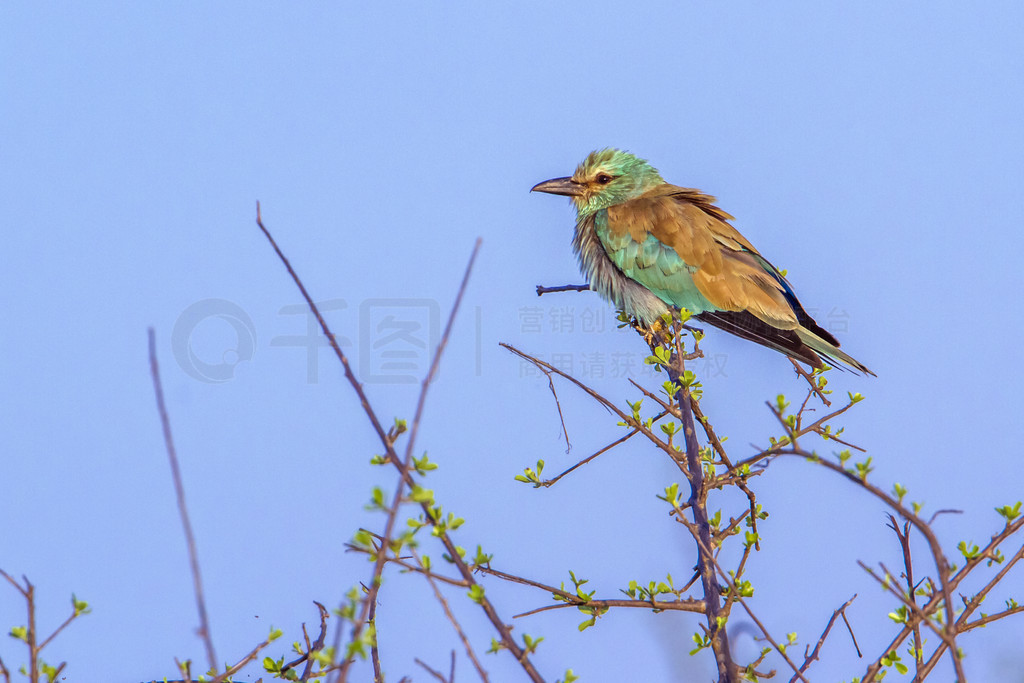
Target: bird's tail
{"points": [[829, 350], [806, 343]]}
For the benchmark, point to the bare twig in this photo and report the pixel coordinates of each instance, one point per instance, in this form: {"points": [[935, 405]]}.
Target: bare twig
{"points": [[620, 440], [386, 441], [437, 674], [186, 666], [56, 632], [558, 405], [436, 363], [946, 511], [562, 288], [692, 469], [179, 490], [852, 636], [627, 419], [349, 375], [813, 656], [458, 628]]}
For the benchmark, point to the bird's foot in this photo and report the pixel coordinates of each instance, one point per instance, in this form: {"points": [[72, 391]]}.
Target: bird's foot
{"points": [[655, 334]]}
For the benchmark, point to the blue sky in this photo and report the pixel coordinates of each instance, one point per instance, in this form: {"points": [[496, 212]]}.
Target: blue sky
{"points": [[875, 150]]}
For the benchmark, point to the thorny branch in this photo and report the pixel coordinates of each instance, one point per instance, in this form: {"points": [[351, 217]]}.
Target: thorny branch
{"points": [[740, 473], [627, 419], [387, 441], [455, 623], [437, 674], [812, 656], [601, 451]]}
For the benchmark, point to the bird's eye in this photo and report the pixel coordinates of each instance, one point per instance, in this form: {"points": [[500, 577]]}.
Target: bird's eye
{"points": [[604, 178]]}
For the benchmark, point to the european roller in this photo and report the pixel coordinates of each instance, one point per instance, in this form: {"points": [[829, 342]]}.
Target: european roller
{"points": [[649, 247]]}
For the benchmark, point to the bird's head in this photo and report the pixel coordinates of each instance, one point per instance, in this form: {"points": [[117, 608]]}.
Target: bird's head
{"points": [[605, 178]]}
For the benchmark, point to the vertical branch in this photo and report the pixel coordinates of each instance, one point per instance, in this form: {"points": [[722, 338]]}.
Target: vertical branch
{"points": [[29, 593], [908, 565], [318, 645], [698, 508], [378, 672], [179, 489], [30, 599]]}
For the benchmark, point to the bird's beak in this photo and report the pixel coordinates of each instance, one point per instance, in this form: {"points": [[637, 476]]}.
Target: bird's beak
{"points": [[563, 186]]}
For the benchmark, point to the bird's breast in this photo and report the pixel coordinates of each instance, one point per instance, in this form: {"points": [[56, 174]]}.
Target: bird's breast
{"points": [[606, 277]]}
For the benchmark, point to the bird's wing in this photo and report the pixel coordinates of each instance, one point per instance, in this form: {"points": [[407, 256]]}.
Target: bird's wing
{"points": [[726, 270]]}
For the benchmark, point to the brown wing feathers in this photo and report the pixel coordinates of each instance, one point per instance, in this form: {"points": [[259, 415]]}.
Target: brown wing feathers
{"points": [[752, 299], [755, 302]]}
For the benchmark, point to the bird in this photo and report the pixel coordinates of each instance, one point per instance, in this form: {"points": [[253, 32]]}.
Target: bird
{"points": [[651, 248]]}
